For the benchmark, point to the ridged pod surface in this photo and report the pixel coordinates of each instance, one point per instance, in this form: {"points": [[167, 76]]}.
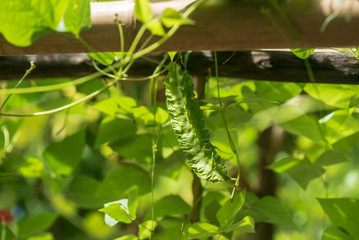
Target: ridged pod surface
{"points": [[189, 126]]}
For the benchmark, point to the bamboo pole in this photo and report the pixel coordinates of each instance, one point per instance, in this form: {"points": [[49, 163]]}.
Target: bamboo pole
{"points": [[222, 25]]}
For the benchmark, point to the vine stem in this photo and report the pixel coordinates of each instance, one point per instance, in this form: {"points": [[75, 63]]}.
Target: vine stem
{"points": [[28, 71], [155, 137], [231, 143], [126, 61]]}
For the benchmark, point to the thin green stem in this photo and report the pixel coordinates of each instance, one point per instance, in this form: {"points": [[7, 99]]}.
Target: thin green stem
{"points": [[60, 86], [84, 99], [286, 20], [3, 226], [233, 147], [309, 71], [155, 137], [267, 12], [28, 71], [95, 52], [120, 30], [101, 71]]}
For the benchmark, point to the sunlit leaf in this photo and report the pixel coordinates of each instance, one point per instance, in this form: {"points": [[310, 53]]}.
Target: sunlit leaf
{"points": [[228, 212], [277, 91], [105, 58], [23, 22], [172, 55], [246, 225], [331, 157], [145, 115], [117, 211], [301, 171], [201, 230], [143, 10], [336, 95], [77, 16], [116, 105], [132, 203], [171, 17], [338, 125], [334, 233], [303, 53], [32, 167], [112, 128], [145, 227], [344, 213], [270, 210]]}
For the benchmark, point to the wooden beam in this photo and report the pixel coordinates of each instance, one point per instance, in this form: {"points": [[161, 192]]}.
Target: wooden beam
{"points": [[222, 25], [328, 67]]}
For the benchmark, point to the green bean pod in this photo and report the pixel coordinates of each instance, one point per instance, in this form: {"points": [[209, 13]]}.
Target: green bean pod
{"points": [[189, 126]]}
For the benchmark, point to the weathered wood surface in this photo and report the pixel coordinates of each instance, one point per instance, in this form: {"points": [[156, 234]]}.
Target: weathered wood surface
{"points": [[328, 67], [222, 25]]}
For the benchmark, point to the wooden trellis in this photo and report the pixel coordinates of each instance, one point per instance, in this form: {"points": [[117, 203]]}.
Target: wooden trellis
{"points": [[224, 25]]}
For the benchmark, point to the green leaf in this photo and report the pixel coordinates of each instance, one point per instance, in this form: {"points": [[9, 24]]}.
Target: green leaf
{"points": [[113, 128], [338, 125], [145, 227], [270, 210], [301, 171], [172, 55], [331, 157], [155, 27], [84, 196], [23, 22], [277, 91], [304, 126], [105, 58], [145, 115], [170, 206], [127, 237], [172, 165], [46, 236], [228, 212], [138, 147], [122, 180], [132, 203], [143, 10], [172, 227], [64, 156], [201, 230], [171, 17], [303, 53], [344, 213], [8, 233], [77, 16], [116, 105], [35, 224], [32, 167], [334, 233], [246, 225], [336, 95], [255, 103], [118, 212]]}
